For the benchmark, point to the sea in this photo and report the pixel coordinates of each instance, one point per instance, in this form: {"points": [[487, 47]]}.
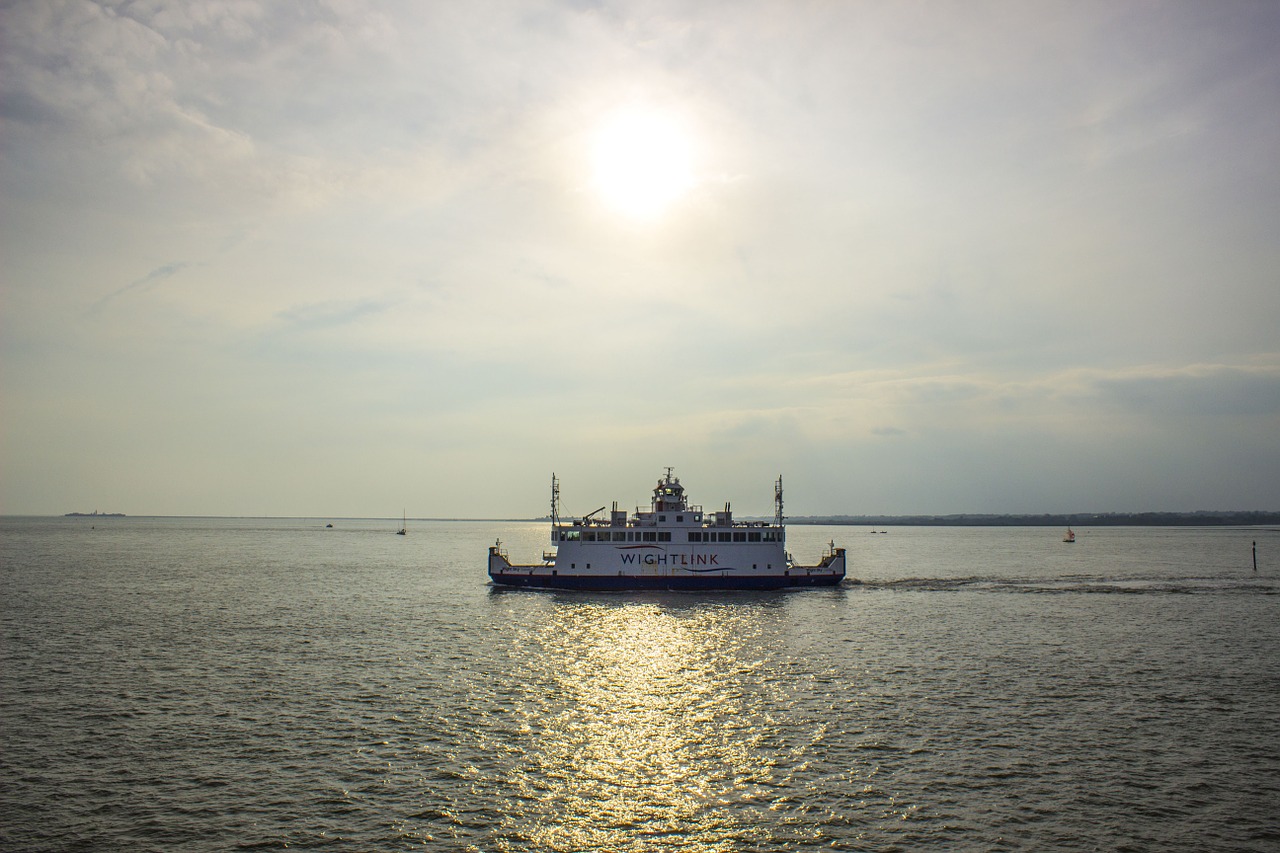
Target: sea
{"points": [[199, 684]]}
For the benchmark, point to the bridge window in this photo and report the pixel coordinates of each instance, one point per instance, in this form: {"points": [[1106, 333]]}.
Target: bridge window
{"points": [[695, 536], [753, 536], [739, 537], [664, 536], [725, 537], [650, 536]]}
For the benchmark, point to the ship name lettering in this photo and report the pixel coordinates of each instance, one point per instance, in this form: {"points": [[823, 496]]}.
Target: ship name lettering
{"points": [[672, 559]]}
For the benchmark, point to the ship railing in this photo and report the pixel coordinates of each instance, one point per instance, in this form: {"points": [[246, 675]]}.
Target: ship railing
{"points": [[652, 521], [687, 508], [745, 524]]}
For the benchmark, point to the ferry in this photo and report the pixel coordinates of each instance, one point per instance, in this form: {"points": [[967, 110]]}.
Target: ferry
{"points": [[672, 546]]}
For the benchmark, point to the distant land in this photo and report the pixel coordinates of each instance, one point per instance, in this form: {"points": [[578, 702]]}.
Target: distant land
{"points": [[1203, 518]]}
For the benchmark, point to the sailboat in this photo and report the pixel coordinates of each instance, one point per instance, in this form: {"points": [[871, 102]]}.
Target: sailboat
{"points": [[404, 527], [1070, 537]]}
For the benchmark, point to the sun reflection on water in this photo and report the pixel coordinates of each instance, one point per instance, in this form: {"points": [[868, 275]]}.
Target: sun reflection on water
{"points": [[647, 734]]}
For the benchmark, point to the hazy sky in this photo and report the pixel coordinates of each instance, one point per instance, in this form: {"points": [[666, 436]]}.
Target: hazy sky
{"points": [[348, 258]]}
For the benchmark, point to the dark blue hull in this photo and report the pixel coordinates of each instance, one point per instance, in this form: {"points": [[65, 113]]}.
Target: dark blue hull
{"points": [[678, 582]]}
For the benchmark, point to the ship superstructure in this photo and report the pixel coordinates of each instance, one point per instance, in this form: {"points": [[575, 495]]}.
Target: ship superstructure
{"points": [[672, 545]]}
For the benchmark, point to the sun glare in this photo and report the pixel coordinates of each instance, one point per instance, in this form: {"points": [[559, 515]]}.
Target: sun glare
{"points": [[641, 163]]}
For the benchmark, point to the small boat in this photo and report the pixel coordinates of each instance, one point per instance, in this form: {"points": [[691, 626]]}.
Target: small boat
{"points": [[1070, 537], [673, 545], [404, 527]]}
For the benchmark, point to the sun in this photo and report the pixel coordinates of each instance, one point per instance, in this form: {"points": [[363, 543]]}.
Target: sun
{"points": [[641, 162]]}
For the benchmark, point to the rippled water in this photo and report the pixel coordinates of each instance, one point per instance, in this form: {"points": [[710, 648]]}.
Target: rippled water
{"points": [[214, 685]]}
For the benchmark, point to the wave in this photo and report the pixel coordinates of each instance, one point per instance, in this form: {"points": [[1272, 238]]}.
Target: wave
{"points": [[1081, 584]]}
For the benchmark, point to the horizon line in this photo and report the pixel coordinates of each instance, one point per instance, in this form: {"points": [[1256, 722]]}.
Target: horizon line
{"points": [[836, 519]]}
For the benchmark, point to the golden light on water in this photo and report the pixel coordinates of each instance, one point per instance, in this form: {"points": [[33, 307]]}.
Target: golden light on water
{"points": [[648, 737]]}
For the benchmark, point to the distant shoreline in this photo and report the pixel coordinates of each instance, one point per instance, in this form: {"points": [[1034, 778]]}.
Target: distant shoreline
{"points": [[1078, 519]]}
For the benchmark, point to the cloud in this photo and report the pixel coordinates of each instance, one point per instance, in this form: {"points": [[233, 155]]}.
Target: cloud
{"points": [[954, 241], [1205, 391], [329, 314], [147, 282]]}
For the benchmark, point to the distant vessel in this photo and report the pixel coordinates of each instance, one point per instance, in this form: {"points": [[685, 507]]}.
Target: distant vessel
{"points": [[1070, 537], [673, 545], [404, 526], [94, 514]]}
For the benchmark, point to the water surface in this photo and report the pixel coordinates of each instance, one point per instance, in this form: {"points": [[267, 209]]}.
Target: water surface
{"points": [[221, 684]]}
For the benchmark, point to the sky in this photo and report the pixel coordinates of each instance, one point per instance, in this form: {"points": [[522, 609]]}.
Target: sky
{"points": [[351, 258]]}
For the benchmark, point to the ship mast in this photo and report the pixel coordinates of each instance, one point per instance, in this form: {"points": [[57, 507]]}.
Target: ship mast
{"points": [[777, 502], [555, 500]]}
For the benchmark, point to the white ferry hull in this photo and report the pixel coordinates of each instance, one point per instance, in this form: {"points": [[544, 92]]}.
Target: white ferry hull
{"points": [[674, 575]]}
